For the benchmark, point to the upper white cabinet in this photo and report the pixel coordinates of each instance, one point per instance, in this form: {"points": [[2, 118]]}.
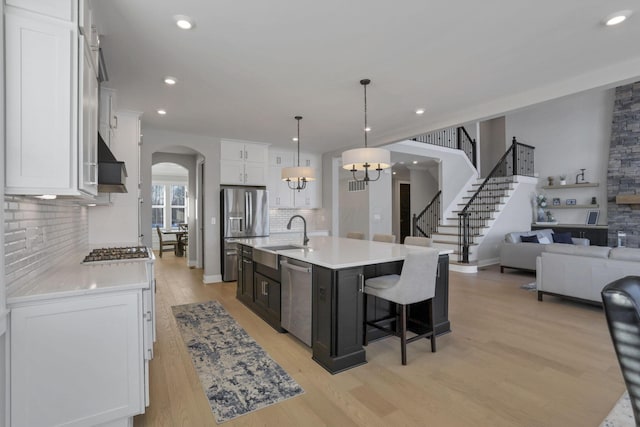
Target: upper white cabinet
{"points": [[47, 111], [243, 163], [88, 123], [280, 195]]}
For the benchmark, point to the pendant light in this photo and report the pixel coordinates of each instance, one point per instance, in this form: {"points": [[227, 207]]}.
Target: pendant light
{"points": [[363, 159], [298, 176]]}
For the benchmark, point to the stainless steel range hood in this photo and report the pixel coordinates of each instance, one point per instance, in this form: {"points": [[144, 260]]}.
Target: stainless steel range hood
{"points": [[112, 174]]}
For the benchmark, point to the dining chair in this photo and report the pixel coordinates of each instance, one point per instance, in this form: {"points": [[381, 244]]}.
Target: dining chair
{"points": [[417, 241], [165, 243], [387, 238], [621, 302], [416, 283], [355, 235]]}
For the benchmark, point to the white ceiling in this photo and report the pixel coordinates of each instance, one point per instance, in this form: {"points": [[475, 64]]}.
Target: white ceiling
{"points": [[249, 66]]}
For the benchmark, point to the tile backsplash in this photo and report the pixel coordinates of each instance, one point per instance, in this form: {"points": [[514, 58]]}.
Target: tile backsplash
{"points": [[278, 219], [38, 236]]}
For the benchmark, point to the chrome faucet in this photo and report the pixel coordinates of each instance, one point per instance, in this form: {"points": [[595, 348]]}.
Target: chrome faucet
{"points": [[580, 175], [305, 239]]}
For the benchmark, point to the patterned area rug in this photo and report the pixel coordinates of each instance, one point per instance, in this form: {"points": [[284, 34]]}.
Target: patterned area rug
{"points": [[621, 415], [237, 375]]}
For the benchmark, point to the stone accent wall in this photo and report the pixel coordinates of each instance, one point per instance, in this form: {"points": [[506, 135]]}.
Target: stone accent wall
{"points": [[623, 176]]}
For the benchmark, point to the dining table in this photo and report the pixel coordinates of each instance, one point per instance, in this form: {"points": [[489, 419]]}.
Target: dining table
{"points": [[180, 238]]}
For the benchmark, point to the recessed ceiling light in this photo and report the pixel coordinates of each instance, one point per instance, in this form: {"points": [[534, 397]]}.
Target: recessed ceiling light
{"points": [[420, 111], [294, 139], [184, 22], [415, 162], [393, 173], [170, 80], [617, 18], [92, 205], [162, 112], [367, 129]]}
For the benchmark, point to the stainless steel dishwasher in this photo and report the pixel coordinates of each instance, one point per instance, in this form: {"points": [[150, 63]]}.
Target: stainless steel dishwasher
{"points": [[295, 308]]}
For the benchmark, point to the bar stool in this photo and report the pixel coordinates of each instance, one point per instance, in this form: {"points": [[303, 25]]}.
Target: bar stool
{"points": [[416, 283], [355, 235], [387, 238], [417, 241]]}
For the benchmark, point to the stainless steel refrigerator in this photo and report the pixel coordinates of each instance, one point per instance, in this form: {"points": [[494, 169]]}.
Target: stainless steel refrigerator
{"points": [[244, 214]]}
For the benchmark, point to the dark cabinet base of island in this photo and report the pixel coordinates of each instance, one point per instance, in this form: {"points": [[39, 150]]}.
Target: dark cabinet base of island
{"points": [[337, 312]]}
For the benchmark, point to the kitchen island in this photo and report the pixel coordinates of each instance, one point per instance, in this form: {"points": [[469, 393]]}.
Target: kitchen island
{"points": [[339, 268]]}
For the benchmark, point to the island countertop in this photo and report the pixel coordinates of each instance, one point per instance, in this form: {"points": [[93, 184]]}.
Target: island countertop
{"points": [[336, 252]]}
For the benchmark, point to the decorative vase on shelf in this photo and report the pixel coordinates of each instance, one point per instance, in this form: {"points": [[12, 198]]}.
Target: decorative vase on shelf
{"points": [[542, 217], [563, 182]]}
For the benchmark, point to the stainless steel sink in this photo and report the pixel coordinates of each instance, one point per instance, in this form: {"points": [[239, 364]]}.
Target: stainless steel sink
{"points": [[268, 255]]}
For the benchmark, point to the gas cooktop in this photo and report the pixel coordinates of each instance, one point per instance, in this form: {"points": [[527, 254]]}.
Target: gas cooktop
{"points": [[117, 254]]}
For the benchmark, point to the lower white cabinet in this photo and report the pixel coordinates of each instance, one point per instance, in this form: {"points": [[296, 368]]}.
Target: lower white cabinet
{"points": [[81, 360]]}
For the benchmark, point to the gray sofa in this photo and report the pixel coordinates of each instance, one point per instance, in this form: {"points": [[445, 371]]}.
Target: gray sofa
{"points": [[580, 273], [521, 255]]}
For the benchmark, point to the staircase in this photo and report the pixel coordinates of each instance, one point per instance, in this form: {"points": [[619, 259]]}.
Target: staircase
{"points": [[483, 215], [485, 211]]}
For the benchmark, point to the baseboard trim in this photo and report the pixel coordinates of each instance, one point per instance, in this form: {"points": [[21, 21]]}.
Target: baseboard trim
{"points": [[214, 278], [463, 268], [487, 262], [192, 263]]}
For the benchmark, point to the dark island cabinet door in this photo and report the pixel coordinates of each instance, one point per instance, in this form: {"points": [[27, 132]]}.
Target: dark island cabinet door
{"points": [[337, 318]]}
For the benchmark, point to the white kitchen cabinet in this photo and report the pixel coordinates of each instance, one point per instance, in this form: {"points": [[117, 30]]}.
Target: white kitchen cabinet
{"points": [[45, 104], [243, 163], [280, 195], [88, 123], [60, 9], [78, 360]]}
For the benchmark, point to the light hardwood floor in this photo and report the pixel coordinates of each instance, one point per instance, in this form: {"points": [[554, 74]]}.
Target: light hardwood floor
{"points": [[510, 361]]}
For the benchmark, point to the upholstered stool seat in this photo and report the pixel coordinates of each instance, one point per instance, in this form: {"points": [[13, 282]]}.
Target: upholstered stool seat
{"points": [[416, 283]]}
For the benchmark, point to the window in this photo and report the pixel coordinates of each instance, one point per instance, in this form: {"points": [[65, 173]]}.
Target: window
{"points": [[168, 205], [157, 205], [178, 205]]}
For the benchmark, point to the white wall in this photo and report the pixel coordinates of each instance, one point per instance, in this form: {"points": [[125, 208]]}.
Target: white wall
{"points": [[492, 144], [380, 205], [569, 133], [122, 214], [423, 187], [353, 207], [456, 171], [156, 140]]}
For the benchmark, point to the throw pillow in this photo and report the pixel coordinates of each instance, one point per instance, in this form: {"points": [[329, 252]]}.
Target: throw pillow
{"points": [[529, 239], [544, 240], [562, 238]]}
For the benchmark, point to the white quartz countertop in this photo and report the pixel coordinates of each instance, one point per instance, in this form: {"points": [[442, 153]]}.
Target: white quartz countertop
{"points": [[81, 279], [336, 252]]}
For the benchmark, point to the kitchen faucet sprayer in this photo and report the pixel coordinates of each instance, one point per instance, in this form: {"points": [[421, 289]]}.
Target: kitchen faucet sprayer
{"points": [[305, 239]]}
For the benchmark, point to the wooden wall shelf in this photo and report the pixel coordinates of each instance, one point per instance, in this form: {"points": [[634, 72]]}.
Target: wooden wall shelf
{"points": [[560, 187], [628, 199], [572, 206]]}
